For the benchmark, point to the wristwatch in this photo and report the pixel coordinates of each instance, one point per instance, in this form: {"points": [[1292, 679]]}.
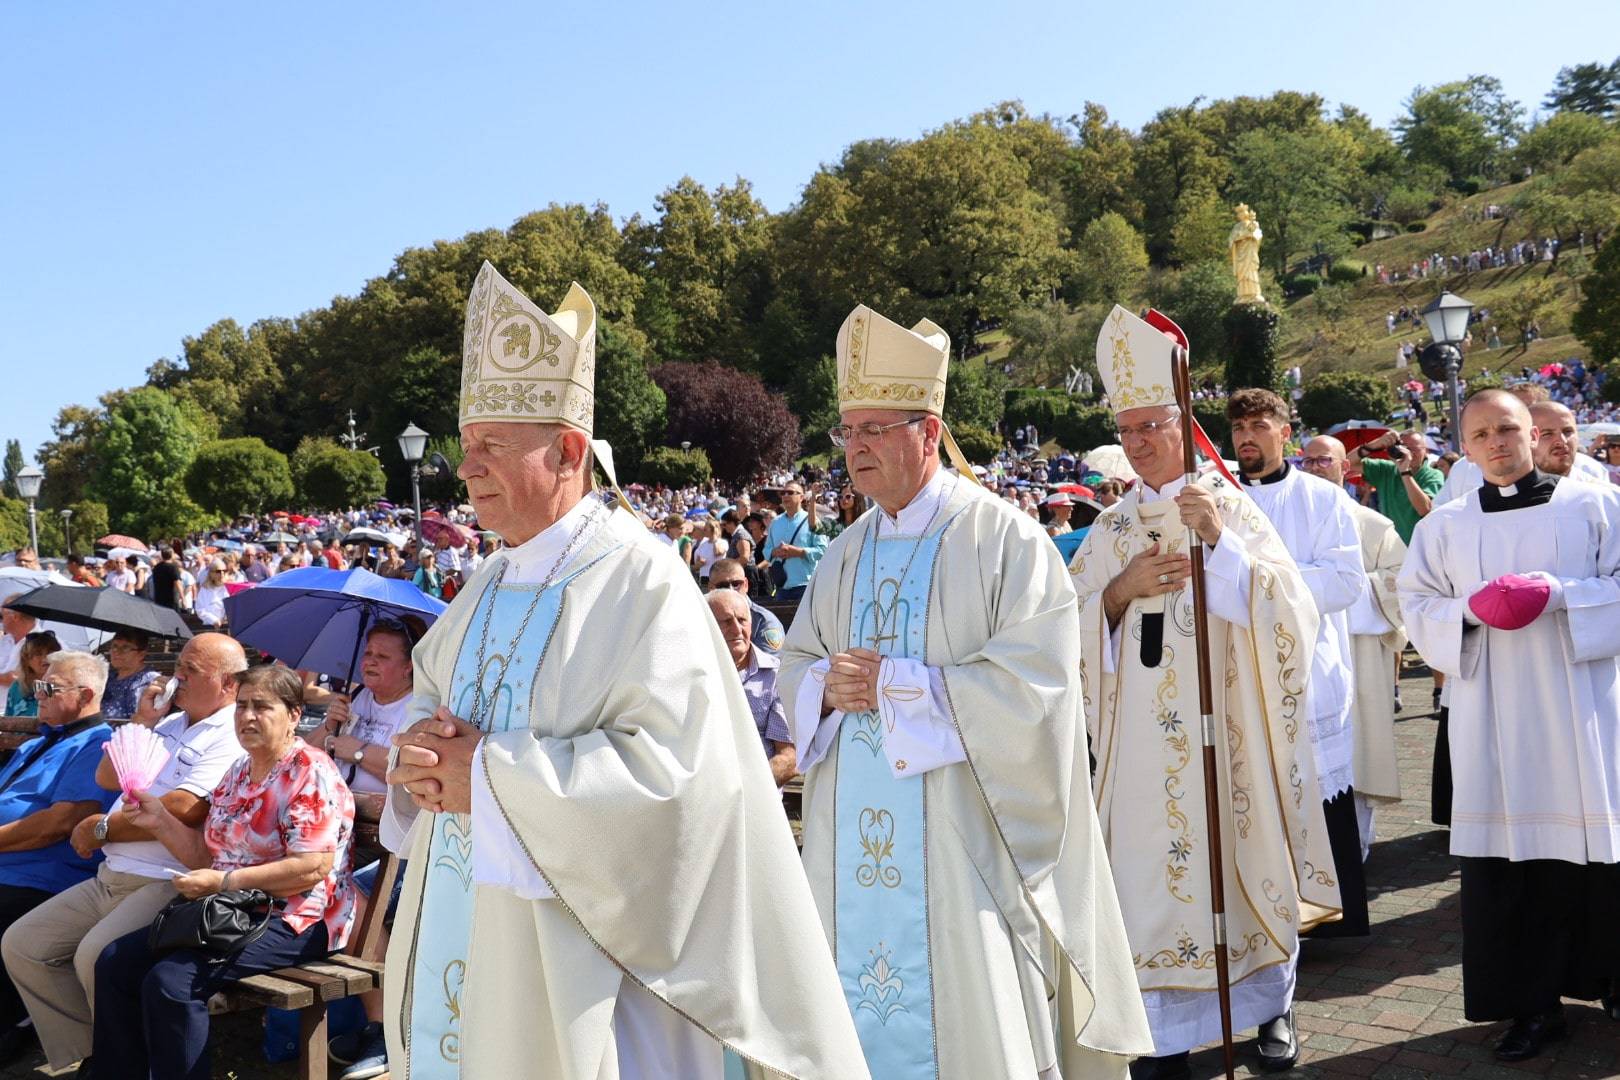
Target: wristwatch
{"points": [[101, 827], [359, 755]]}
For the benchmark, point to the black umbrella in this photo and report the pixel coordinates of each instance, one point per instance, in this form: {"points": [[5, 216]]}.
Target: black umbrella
{"points": [[104, 609]]}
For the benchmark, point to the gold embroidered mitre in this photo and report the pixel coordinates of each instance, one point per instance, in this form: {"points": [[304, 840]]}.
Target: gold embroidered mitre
{"points": [[1134, 361], [520, 365], [882, 365]]}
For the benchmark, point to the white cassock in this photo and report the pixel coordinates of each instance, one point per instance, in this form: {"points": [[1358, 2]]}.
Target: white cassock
{"points": [[1377, 636], [624, 901], [1535, 753], [1142, 705], [950, 837]]}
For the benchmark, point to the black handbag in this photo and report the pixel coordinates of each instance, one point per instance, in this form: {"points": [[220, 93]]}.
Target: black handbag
{"points": [[222, 923], [778, 569]]}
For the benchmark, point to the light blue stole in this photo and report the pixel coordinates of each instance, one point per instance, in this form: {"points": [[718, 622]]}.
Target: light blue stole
{"points": [[445, 922], [880, 863]]}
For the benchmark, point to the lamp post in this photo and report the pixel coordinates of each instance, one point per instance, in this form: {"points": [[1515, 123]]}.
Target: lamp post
{"points": [[28, 482], [67, 531], [412, 444], [1447, 320]]}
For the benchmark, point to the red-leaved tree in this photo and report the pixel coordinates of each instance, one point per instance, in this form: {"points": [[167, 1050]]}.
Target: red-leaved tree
{"points": [[744, 428]]}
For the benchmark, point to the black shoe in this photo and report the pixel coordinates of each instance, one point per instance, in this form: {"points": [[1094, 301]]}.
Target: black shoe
{"points": [[1278, 1043], [1529, 1034], [17, 1041], [1437, 699], [346, 1049], [1171, 1067], [1398, 705], [87, 1071], [1611, 1005]]}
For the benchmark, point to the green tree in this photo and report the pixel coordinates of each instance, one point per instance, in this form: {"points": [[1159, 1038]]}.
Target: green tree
{"points": [[1531, 304], [1101, 171], [1462, 127], [1177, 159], [1113, 261], [68, 457], [975, 394], [1295, 182], [1251, 336], [233, 477], [674, 468], [328, 477], [15, 464], [1597, 320], [1404, 205], [1198, 300], [142, 452], [1202, 228], [1556, 141], [1337, 396], [977, 444], [229, 374], [1593, 89], [89, 523], [630, 412], [1047, 339]]}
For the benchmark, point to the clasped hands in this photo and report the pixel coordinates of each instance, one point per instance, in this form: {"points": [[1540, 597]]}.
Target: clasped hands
{"points": [[851, 683], [435, 762]]}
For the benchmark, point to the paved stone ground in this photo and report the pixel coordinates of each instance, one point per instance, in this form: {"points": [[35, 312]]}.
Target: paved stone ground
{"points": [[1389, 1006]]}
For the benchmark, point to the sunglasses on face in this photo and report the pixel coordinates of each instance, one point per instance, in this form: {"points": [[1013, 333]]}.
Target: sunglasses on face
{"points": [[737, 584], [43, 689]]}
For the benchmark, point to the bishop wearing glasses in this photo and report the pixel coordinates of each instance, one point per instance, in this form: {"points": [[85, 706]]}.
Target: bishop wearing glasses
{"points": [[931, 683]]}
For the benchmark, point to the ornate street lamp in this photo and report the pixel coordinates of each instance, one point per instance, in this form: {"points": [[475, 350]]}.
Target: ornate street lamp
{"points": [[412, 445], [1447, 320], [28, 483], [67, 531]]}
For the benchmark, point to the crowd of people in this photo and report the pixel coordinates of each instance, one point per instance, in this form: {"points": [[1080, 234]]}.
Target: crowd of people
{"points": [[984, 675]]}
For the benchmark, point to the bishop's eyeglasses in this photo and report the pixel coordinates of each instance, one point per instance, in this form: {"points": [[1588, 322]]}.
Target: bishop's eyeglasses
{"points": [[840, 434]]}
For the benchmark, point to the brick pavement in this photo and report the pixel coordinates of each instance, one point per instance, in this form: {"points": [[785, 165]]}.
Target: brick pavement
{"points": [[1389, 1006]]}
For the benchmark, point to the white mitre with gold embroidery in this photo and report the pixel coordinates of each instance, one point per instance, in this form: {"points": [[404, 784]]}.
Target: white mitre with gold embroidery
{"points": [[520, 365], [882, 365], [1135, 362]]}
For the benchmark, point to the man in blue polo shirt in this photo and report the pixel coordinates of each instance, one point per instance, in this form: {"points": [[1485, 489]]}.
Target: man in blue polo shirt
{"points": [[46, 789]]}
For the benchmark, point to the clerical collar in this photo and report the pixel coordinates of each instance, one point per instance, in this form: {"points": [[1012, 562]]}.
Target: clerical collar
{"points": [[916, 514], [1277, 475], [1532, 489], [531, 560]]}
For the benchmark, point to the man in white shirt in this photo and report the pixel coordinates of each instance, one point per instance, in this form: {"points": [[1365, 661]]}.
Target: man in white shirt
{"points": [[51, 952], [118, 576], [14, 626]]}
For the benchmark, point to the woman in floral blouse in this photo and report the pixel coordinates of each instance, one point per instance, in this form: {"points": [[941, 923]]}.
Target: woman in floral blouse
{"points": [[280, 821]]}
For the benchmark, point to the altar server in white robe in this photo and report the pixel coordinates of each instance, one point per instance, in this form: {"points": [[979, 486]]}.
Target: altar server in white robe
{"points": [[1377, 636], [1535, 751], [1314, 519], [1562, 456], [1140, 668], [601, 882], [931, 678]]}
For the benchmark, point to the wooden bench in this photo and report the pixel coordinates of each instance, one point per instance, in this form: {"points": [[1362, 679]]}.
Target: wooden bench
{"points": [[307, 988]]}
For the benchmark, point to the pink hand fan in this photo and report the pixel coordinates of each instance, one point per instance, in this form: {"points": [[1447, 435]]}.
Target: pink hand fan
{"points": [[1510, 602], [138, 755]]}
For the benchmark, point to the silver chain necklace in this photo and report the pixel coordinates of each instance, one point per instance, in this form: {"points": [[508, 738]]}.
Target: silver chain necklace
{"points": [[477, 719], [886, 617]]}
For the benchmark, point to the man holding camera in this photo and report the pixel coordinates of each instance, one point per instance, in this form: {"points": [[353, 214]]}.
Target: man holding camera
{"points": [[1406, 484]]}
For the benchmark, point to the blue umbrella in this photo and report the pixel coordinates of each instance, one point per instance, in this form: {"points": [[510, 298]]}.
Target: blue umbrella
{"points": [[315, 618]]}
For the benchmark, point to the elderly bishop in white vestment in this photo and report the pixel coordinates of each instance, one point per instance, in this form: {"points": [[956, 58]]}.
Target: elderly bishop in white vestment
{"points": [[949, 833], [1140, 668], [624, 899]]}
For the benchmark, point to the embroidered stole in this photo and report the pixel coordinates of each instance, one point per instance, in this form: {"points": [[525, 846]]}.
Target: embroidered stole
{"points": [[881, 939]]}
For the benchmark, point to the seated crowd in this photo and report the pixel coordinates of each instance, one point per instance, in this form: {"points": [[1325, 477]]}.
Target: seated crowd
{"points": [[242, 803]]}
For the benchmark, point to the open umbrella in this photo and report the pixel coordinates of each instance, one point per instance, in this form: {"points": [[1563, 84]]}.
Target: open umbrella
{"points": [[367, 536], [433, 527], [315, 619], [102, 609], [1110, 461], [18, 579], [1354, 433], [119, 540], [278, 538]]}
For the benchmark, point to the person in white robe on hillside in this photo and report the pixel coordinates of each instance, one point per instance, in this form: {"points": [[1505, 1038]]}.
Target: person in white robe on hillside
{"points": [[1141, 677], [1514, 592], [1377, 636], [932, 683], [601, 882], [1316, 523]]}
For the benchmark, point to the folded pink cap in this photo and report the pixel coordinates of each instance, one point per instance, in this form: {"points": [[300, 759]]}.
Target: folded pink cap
{"points": [[1510, 602]]}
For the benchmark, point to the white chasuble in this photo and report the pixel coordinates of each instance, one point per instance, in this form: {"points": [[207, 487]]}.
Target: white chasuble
{"points": [[650, 911], [1377, 635], [1535, 731], [949, 838], [1313, 519], [1142, 709]]}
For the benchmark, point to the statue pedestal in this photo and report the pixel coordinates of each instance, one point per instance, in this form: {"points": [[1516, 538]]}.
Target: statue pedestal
{"points": [[1251, 337]]}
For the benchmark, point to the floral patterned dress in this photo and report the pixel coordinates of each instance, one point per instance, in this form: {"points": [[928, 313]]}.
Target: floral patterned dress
{"points": [[303, 805]]}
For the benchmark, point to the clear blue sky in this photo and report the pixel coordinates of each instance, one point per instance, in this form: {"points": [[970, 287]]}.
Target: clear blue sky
{"points": [[165, 165]]}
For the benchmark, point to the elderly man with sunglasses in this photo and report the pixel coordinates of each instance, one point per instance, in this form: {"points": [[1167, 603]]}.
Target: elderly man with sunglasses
{"points": [[765, 629], [46, 789]]}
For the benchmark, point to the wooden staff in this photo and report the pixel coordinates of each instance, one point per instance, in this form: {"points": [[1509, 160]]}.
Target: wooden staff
{"points": [[1213, 804]]}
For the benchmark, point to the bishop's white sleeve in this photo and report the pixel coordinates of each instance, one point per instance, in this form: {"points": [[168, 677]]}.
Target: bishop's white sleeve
{"points": [[1438, 621], [1226, 578], [918, 733], [497, 857], [1334, 573], [812, 733]]}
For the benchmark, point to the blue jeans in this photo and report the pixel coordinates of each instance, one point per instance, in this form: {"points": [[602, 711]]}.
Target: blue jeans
{"points": [[152, 1008], [365, 879]]}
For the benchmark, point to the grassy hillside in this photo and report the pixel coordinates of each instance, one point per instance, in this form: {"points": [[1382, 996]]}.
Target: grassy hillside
{"points": [[1354, 338]]}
